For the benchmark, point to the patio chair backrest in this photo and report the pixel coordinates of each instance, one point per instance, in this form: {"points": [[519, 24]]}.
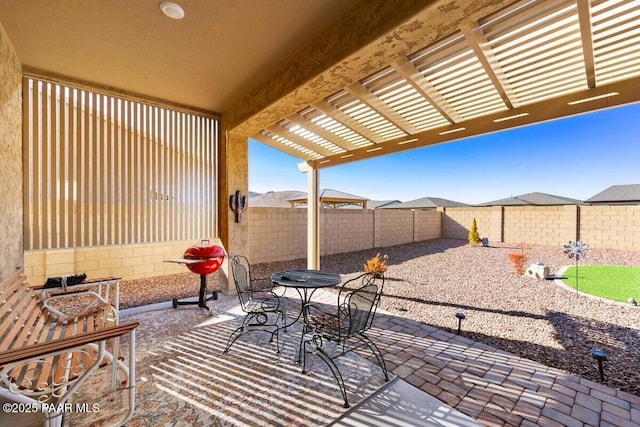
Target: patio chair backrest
{"points": [[241, 270], [360, 304]]}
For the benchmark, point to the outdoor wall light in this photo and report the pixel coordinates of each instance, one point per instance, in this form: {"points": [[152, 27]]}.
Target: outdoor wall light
{"points": [[600, 356], [460, 317], [172, 10]]}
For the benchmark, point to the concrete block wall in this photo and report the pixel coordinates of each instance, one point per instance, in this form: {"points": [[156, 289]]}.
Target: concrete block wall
{"points": [[457, 221], [126, 261], [606, 227], [427, 225], [276, 234], [539, 225], [392, 227], [615, 227], [279, 234], [345, 230]]}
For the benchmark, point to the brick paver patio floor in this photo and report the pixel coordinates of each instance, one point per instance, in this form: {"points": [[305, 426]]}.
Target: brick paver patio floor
{"points": [[493, 386]]}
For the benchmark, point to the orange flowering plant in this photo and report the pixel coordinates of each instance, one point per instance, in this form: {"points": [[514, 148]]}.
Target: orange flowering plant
{"points": [[377, 264]]}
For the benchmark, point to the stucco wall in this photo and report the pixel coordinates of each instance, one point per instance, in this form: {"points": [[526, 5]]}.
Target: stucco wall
{"points": [[10, 158]]}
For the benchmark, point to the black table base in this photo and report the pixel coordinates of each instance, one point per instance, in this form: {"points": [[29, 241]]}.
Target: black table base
{"points": [[202, 296]]}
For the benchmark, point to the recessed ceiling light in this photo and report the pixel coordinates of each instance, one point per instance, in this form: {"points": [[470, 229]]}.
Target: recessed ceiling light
{"points": [[172, 10]]}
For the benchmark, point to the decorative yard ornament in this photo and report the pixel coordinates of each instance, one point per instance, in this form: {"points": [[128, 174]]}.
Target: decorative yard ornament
{"points": [[577, 250], [238, 203]]}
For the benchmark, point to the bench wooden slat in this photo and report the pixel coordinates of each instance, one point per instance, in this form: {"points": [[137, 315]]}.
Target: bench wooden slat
{"points": [[45, 368], [45, 348], [32, 326], [28, 309], [13, 300], [15, 335], [67, 360], [38, 334]]}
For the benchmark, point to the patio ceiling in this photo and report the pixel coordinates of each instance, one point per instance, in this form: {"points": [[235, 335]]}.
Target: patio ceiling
{"points": [[215, 53], [526, 63]]}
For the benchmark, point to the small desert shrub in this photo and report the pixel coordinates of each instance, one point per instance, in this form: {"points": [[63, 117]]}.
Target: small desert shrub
{"points": [[377, 264], [518, 259], [474, 236]]}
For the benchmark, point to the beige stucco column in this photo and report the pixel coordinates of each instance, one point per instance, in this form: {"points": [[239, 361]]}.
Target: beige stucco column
{"points": [[313, 216], [232, 176]]}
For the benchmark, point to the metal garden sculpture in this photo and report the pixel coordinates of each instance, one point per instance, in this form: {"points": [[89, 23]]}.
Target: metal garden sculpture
{"points": [[238, 203], [577, 250]]}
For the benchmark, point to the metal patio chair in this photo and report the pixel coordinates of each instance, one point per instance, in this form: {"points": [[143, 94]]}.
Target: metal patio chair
{"points": [[259, 301], [357, 303]]}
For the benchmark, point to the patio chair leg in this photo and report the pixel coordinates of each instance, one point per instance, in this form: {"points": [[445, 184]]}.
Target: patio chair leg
{"points": [[247, 326], [332, 366], [237, 333], [376, 352]]}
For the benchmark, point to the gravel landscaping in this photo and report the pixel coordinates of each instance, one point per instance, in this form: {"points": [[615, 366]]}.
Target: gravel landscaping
{"points": [[431, 281]]}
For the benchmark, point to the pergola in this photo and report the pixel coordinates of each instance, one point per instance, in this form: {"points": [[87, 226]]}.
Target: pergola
{"points": [[333, 199], [364, 78]]}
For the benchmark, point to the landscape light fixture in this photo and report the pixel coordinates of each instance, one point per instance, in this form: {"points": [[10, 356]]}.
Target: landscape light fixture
{"points": [[172, 10], [460, 317], [600, 356]]}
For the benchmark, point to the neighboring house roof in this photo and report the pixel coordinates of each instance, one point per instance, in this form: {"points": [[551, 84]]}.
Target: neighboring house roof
{"points": [[275, 199], [427, 203], [617, 193], [253, 194], [332, 197], [373, 204], [534, 199]]}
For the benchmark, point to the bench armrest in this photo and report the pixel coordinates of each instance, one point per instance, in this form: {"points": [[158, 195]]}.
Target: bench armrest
{"points": [[66, 343], [105, 290]]}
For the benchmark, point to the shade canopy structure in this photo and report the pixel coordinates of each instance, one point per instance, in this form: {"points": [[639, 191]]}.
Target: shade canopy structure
{"points": [[332, 81], [422, 84], [333, 199]]}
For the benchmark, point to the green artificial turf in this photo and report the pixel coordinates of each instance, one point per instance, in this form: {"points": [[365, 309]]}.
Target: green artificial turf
{"points": [[611, 282]]}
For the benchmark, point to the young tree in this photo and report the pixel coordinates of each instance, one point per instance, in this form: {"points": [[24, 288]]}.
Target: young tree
{"points": [[474, 236]]}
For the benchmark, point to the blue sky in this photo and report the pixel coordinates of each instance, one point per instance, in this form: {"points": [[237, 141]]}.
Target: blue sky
{"points": [[575, 157]]}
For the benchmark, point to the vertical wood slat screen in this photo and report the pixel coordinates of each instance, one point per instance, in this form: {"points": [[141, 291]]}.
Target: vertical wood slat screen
{"points": [[105, 170]]}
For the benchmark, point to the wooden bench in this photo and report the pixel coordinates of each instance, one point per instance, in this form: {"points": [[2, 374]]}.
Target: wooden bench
{"points": [[45, 354]]}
